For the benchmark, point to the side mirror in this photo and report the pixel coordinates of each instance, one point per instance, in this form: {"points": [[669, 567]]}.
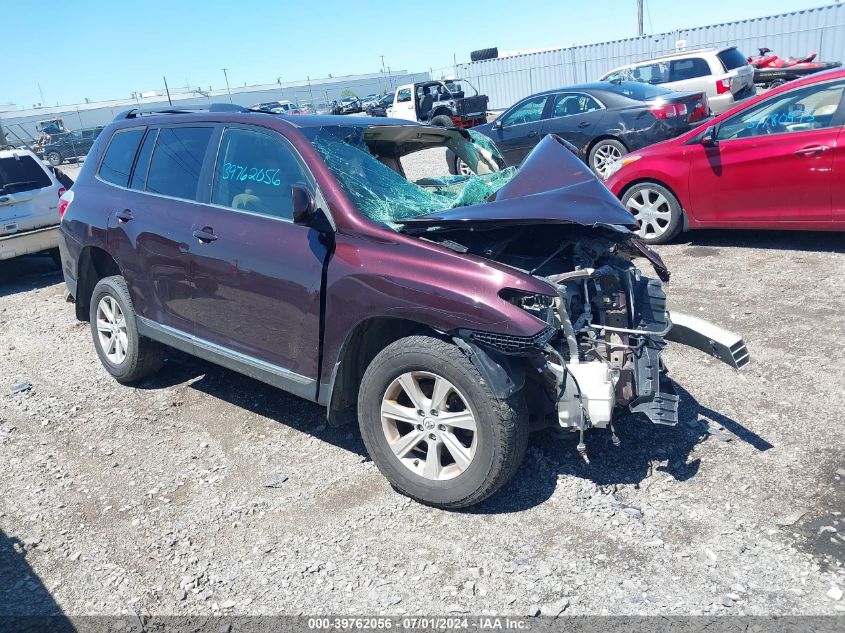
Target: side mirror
{"points": [[497, 124], [708, 137], [304, 209]]}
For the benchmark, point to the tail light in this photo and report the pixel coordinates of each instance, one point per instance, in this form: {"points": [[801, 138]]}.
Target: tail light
{"points": [[669, 110], [723, 86], [64, 202], [699, 111]]}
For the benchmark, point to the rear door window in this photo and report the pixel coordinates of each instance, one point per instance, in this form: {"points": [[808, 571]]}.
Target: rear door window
{"points": [[177, 161], [683, 69], [21, 173], [732, 58], [568, 104], [255, 172], [117, 162]]}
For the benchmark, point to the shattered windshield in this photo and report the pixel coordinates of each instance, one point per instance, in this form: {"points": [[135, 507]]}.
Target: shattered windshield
{"points": [[375, 167]]}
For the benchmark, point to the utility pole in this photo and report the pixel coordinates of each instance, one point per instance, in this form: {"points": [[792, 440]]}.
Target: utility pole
{"points": [[167, 90], [226, 77], [640, 18]]}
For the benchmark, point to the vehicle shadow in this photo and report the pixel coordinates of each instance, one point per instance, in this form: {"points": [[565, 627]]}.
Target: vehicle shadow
{"points": [[29, 272], [254, 396], [645, 448], [25, 603], [815, 241]]}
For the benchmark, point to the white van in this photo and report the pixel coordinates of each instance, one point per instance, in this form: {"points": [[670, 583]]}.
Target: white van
{"points": [[29, 205], [723, 74]]}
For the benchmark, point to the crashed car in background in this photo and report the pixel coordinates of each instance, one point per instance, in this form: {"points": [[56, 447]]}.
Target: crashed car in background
{"points": [[452, 313]]}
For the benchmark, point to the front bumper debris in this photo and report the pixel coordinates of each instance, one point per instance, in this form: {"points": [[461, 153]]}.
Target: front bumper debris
{"points": [[700, 334]]}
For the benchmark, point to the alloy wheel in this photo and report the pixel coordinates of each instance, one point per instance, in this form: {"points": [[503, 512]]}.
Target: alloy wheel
{"points": [[604, 157], [111, 330], [428, 425], [463, 168], [652, 212]]}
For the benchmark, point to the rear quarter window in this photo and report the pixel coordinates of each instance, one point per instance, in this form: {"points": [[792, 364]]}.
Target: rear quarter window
{"points": [[21, 173], [118, 159], [732, 59]]}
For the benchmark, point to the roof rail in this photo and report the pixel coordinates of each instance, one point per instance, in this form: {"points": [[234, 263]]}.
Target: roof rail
{"points": [[214, 107]]}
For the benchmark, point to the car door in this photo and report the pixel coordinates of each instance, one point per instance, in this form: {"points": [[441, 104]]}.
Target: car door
{"points": [[574, 116], [257, 274], [403, 105], [771, 162], [837, 192], [151, 218], [517, 130]]}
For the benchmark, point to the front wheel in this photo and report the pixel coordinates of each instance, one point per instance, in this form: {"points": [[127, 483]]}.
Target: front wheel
{"points": [[459, 167], [54, 158], [433, 427], [657, 211]]}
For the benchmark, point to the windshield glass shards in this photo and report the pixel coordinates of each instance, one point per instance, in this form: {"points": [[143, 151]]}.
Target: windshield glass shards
{"points": [[368, 163]]}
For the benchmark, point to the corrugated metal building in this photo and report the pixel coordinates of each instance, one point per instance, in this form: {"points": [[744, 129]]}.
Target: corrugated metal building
{"points": [[509, 79], [21, 123]]}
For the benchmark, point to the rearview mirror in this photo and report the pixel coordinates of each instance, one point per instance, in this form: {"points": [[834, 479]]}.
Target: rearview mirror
{"points": [[303, 206], [709, 136]]}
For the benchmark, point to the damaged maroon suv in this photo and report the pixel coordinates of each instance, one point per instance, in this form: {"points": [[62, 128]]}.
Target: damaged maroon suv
{"points": [[451, 314]]}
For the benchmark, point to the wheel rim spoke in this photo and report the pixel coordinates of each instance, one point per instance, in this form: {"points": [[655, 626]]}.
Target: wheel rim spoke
{"points": [[442, 387], [458, 451], [458, 420], [390, 409], [412, 390], [405, 443], [432, 461]]}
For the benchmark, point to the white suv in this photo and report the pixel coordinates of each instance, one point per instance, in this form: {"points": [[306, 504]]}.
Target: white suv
{"points": [[723, 74], [29, 205]]}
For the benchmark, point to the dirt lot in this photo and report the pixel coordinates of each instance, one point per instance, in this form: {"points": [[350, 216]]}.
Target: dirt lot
{"points": [[202, 491]]}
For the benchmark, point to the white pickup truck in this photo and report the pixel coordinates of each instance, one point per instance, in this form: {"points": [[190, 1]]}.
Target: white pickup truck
{"points": [[29, 205]]}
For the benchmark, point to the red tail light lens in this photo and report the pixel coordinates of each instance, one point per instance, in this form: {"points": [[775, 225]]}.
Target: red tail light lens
{"points": [[723, 86], [64, 202], [666, 111]]}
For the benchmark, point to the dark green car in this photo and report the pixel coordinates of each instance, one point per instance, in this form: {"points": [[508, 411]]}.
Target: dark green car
{"points": [[70, 145]]}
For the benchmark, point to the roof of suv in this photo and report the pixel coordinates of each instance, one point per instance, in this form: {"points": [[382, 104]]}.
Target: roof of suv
{"points": [[681, 54]]}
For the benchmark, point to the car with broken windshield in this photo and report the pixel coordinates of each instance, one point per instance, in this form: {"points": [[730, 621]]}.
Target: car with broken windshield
{"points": [[449, 314]]}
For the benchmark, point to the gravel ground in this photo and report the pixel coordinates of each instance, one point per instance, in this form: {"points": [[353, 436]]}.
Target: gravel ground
{"points": [[202, 491]]}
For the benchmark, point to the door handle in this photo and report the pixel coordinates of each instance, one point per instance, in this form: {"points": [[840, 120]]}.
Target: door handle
{"points": [[206, 235], [812, 150], [532, 133], [584, 124], [124, 216]]}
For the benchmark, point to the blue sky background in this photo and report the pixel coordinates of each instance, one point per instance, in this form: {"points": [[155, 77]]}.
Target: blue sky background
{"points": [[108, 49]]}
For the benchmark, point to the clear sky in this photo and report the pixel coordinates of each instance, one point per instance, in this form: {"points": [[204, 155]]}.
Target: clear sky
{"points": [[104, 49]]}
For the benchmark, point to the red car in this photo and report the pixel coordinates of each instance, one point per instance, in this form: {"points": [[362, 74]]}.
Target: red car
{"points": [[776, 161]]}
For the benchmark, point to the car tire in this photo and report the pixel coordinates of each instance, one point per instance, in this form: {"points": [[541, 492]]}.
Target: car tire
{"points": [[131, 357], [657, 210], [54, 158], [417, 453], [602, 155], [441, 120], [483, 54]]}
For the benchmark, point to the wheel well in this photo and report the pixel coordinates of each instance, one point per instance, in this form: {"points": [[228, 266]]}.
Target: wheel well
{"points": [[359, 349], [442, 112], [639, 181], [94, 264]]}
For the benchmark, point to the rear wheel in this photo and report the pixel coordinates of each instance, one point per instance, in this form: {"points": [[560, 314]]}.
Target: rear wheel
{"points": [[657, 211], [125, 354], [441, 120], [433, 427], [603, 154]]}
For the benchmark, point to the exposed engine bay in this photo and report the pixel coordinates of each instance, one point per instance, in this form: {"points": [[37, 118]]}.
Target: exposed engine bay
{"points": [[607, 321]]}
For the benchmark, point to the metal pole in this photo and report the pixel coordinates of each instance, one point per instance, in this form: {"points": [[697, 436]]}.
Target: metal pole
{"points": [[226, 76], [167, 90], [640, 17]]}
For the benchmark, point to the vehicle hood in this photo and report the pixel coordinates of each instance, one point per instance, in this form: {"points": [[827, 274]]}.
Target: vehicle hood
{"points": [[553, 186]]}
